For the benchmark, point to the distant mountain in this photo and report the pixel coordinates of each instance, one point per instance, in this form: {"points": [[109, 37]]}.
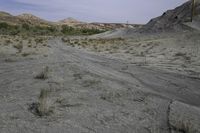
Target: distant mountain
{"points": [[8, 18], [23, 18], [34, 20], [95, 25], [28, 16], [70, 21], [106, 26], [4, 14]]}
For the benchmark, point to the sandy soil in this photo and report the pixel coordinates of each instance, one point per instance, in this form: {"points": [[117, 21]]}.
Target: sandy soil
{"points": [[91, 90], [175, 52]]}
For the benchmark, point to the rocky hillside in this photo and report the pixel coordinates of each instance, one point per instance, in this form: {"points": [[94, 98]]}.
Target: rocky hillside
{"points": [[69, 21], [31, 19], [107, 26], [8, 18], [4, 13], [172, 19], [23, 18], [95, 25], [175, 20], [34, 20]]}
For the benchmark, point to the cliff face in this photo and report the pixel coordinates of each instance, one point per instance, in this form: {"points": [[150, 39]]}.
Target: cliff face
{"points": [[172, 19]]}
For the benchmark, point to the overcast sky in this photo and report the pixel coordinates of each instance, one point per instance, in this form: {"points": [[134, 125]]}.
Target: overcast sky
{"points": [[134, 11]]}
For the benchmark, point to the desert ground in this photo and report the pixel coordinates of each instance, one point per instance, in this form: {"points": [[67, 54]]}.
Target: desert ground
{"points": [[144, 84]]}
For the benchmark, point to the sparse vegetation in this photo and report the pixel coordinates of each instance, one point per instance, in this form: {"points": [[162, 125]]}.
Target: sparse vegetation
{"points": [[68, 30], [7, 42], [97, 45], [25, 54], [25, 27], [28, 29], [39, 40], [180, 54], [7, 29], [43, 74], [19, 47], [9, 60], [44, 105]]}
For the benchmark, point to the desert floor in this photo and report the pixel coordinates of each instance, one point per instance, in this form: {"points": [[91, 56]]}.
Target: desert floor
{"points": [[143, 84]]}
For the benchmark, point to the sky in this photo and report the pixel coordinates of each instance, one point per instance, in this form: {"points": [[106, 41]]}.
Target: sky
{"points": [[116, 11]]}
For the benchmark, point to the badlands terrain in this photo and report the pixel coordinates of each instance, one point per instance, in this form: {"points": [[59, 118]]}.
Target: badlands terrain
{"points": [[131, 79]]}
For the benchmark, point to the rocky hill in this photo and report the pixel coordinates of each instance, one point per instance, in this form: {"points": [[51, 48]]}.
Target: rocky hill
{"points": [[175, 20], [172, 19], [94, 25], [108, 26], [31, 19], [4, 14], [34, 20], [21, 19], [8, 18], [69, 21]]}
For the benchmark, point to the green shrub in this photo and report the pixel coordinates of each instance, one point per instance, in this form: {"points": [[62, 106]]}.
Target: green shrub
{"points": [[25, 26], [8, 29], [67, 30], [51, 29], [3, 25], [29, 29], [90, 31]]}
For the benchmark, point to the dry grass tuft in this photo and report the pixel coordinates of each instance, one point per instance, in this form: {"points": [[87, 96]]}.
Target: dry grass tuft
{"points": [[39, 40], [19, 47], [7, 42], [44, 105], [25, 54], [43, 74]]}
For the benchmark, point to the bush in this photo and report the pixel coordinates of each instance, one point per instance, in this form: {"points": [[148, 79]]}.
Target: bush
{"points": [[39, 40], [67, 30], [25, 26], [91, 31], [28, 29], [51, 29], [8, 29], [3, 25]]}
